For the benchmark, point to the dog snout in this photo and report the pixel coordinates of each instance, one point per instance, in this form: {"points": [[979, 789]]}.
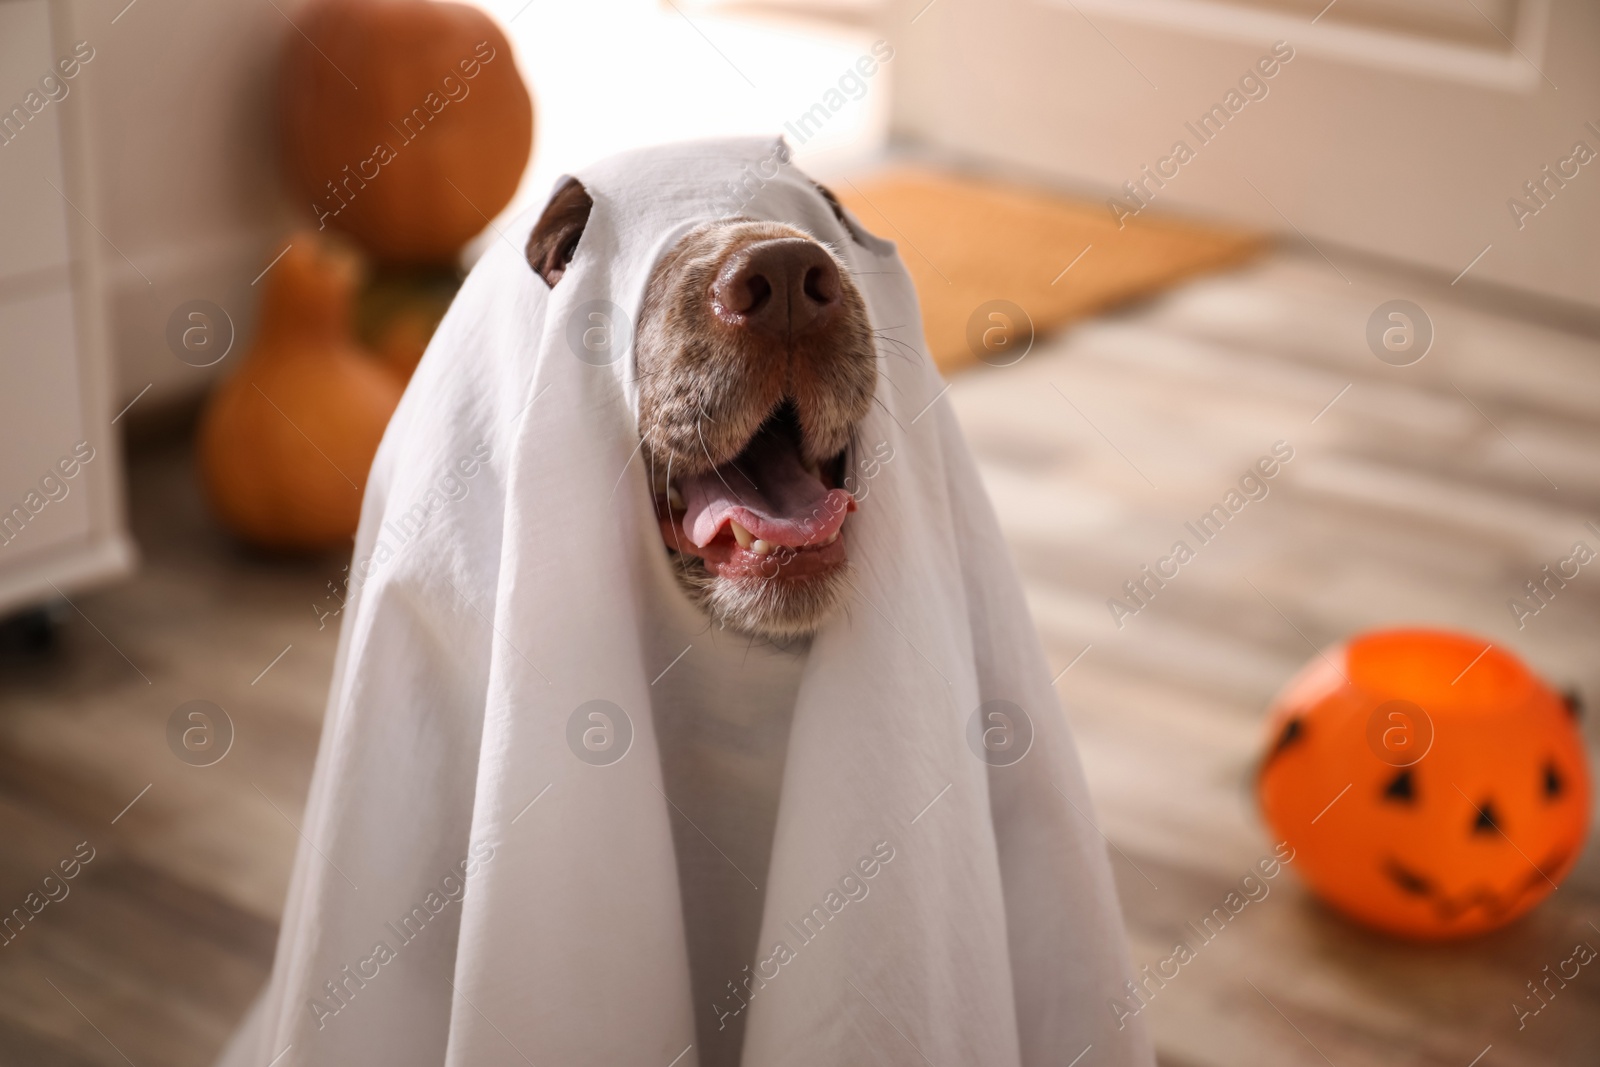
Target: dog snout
{"points": [[781, 287]]}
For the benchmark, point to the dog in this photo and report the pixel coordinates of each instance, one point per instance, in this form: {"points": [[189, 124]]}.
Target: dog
{"points": [[756, 363], [718, 803]]}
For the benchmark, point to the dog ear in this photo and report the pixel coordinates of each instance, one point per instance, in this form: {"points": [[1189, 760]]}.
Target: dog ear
{"points": [[834, 205], [555, 238]]}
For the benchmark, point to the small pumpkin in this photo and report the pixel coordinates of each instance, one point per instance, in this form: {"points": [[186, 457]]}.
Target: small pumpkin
{"points": [[1430, 784], [398, 310], [404, 123], [286, 441]]}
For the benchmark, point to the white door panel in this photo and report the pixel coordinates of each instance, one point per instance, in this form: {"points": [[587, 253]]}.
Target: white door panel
{"points": [[40, 424], [1407, 143], [32, 213], [61, 524]]}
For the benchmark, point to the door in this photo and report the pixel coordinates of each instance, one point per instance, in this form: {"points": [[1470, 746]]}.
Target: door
{"points": [[1456, 135]]}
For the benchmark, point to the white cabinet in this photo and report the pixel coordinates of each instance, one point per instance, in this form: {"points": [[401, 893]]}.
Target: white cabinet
{"points": [[61, 520]]}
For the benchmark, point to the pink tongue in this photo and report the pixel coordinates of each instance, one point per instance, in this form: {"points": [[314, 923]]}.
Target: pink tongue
{"points": [[768, 492]]}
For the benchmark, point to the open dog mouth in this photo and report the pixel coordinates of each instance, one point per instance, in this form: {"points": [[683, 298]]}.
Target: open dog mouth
{"points": [[766, 513], [756, 361]]}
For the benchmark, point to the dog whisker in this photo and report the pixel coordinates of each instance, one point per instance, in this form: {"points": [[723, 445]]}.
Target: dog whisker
{"points": [[715, 469], [883, 335], [637, 378], [904, 351], [677, 540], [885, 408]]}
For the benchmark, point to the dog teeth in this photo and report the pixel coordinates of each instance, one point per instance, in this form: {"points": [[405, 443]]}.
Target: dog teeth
{"points": [[832, 539], [741, 535], [674, 498], [760, 548]]}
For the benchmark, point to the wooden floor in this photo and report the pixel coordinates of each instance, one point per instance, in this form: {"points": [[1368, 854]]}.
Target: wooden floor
{"points": [[165, 936], [1403, 503], [1422, 494]]}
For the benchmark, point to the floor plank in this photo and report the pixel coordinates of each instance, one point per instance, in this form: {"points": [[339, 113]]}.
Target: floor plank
{"points": [[1403, 502]]}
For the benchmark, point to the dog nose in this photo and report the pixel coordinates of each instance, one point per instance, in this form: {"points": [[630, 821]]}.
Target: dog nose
{"points": [[781, 287]]}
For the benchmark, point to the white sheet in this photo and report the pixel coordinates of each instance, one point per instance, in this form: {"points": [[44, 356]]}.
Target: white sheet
{"points": [[961, 908]]}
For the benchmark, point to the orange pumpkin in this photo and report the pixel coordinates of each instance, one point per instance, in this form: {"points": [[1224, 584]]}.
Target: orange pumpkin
{"points": [[286, 441], [405, 123], [1430, 784]]}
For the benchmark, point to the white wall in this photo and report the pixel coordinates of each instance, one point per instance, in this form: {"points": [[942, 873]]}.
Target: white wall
{"points": [[648, 72], [179, 109], [178, 120]]}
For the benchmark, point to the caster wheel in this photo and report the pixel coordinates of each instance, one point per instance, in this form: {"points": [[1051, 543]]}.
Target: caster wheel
{"points": [[32, 632]]}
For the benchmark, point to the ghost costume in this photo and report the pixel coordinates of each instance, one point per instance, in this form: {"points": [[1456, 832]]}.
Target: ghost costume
{"points": [[559, 817]]}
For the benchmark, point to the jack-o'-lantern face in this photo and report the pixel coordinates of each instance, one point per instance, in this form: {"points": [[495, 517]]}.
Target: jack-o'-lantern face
{"points": [[1430, 784]]}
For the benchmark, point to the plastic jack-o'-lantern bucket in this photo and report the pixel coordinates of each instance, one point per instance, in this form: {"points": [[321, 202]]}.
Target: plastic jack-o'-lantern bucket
{"points": [[1431, 785]]}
